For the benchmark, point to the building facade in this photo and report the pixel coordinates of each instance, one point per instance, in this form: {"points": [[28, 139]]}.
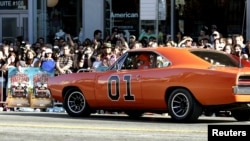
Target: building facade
{"points": [[31, 19]]}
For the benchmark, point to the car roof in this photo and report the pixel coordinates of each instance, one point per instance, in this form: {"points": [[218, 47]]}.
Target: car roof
{"points": [[178, 56], [171, 49]]}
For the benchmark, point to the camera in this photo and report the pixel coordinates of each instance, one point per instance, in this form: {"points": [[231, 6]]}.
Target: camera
{"points": [[23, 45], [117, 36], [56, 49]]}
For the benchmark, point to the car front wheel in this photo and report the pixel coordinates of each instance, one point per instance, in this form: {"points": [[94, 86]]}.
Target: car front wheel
{"points": [[75, 104], [183, 107]]}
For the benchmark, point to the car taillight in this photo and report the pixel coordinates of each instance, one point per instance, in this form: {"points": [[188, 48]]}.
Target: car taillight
{"points": [[244, 81]]}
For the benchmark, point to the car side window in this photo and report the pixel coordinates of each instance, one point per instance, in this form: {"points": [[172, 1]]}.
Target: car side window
{"points": [[154, 60], [161, 62], [129, 62], [132, 61]]}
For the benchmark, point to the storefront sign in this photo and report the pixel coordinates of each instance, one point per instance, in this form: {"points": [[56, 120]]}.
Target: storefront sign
{"points": [[124, 15], [13, 4], [126, 18]]}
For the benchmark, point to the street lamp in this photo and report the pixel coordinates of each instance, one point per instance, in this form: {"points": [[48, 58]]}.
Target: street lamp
{"points": [[52, 3]]}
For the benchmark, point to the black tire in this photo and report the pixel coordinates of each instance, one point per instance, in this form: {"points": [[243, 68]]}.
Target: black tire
{"points": [[134, 114], [75, 104], [183, 107], [241, 115]]}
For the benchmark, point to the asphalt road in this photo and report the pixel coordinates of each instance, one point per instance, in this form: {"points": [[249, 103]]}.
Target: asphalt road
{"points": [[41, 126]]}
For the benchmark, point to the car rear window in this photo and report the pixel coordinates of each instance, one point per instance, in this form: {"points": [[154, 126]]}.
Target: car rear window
{"points": [[216, 58]]}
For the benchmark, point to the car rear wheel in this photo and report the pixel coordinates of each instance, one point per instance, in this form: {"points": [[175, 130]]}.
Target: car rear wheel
{"points": [[183, 107], [241, 115], [75, 103]]}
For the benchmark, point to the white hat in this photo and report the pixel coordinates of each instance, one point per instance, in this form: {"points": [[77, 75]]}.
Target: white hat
{"points": [[55, 46], [132, 36], [216, 33], [48, 50]]}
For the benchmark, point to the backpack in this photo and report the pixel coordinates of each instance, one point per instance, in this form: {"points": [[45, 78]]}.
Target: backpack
{"points": [[48, 65]]}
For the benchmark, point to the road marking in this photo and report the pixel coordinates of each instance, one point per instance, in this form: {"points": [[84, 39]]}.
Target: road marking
{"points": [[103, 128]]}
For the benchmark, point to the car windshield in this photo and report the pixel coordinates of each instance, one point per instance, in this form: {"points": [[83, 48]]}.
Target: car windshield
{"points": [[216, 58], [118, 63]]}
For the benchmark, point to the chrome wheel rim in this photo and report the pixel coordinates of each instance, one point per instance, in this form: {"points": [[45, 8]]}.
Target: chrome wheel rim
{"points": [[180, 105], [76, 102]]}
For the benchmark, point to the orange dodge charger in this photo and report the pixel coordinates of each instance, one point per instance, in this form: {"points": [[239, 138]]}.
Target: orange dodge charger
{"points": [[183, 82]]}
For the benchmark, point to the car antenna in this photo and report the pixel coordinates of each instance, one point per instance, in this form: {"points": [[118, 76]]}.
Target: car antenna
{"points": [[240, 63]]}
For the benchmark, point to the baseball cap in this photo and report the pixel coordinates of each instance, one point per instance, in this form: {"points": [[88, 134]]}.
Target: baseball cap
{"points": [[144, 57], [132, 36], [48, 50], [107, 45]]}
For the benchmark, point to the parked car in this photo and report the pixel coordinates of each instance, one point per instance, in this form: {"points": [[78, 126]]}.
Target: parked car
{"points": [[58, 107], [183, 82]]}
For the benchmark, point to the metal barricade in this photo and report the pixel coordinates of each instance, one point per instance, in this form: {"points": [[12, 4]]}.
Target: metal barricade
{"points": [[66, 72], [3, 82], [85, 70]]}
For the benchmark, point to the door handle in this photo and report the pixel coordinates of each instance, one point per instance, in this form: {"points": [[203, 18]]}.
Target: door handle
{"points": [[138, 76]]}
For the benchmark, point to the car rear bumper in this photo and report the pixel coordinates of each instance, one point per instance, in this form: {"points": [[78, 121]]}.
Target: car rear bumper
{"points": [[241, 90]]}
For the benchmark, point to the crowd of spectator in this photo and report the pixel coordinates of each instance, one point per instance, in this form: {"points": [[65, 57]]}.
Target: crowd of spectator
{"points": [[233, 44], [65, 55]]}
